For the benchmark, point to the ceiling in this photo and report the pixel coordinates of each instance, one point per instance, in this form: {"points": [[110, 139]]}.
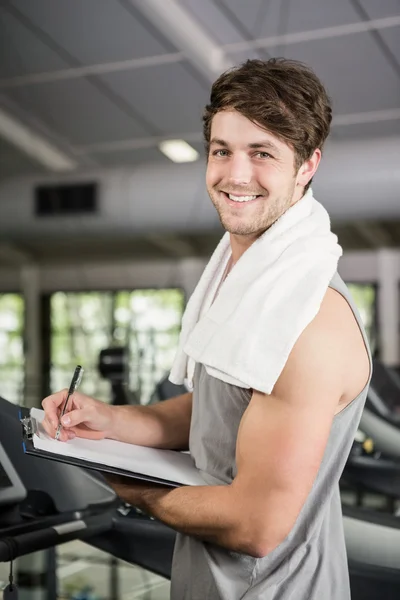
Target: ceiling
{"points": [[368, 235], [104, 81]]}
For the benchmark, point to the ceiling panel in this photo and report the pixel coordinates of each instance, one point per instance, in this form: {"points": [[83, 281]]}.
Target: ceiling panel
{"points": [[255, 15], [169, 99], [364, 82], [366, 130], [217, 23], [391, 37], [377, 9], [77, 111], [13, 162], [168, 96], [131, 157], [285, 16], [93, 31], [21, 52]]}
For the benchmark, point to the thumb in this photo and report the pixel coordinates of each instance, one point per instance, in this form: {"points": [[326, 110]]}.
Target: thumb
{"points": [[73, 418]]}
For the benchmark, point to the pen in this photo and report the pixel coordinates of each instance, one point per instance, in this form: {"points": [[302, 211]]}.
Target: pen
{"points": [[76, 379]]}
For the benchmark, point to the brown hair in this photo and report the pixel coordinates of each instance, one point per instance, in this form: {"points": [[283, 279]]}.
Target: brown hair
{"points": [[283, 96]]}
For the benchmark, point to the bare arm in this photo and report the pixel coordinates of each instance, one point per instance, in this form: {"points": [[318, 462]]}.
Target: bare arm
{"points": [[281, 442], [162, 425]]}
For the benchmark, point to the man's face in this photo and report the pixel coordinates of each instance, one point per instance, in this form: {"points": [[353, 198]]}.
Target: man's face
{"points": [[251, 177]]}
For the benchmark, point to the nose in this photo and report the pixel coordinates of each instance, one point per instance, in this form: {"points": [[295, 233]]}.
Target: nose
{"points": [[240, 170]]}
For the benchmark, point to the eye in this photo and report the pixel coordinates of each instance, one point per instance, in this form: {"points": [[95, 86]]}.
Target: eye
{"points": [[222, 153], [263, 155]]}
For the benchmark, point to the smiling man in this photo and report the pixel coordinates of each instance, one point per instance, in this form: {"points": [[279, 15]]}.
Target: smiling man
{"points": [[277, 356], [251, 176]]}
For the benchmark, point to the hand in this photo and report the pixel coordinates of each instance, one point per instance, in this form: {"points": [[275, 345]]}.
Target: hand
{"points": [[86, 417], [134, 491]]}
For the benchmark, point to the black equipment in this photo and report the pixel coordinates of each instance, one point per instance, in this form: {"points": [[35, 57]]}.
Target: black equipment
{"points": [[114, 366], [64, 502], [12, 489], [165, 389], [48, 503]]}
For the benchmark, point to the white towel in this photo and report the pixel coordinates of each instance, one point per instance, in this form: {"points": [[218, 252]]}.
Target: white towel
{"points": [[273, 292]]}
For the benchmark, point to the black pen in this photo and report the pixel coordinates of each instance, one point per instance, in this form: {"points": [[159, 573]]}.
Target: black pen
{"points": [[76, 379]]}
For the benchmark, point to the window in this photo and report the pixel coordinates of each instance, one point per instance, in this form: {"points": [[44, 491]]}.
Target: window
{"points": [[12, 348], [365, 297], [146, 321]]}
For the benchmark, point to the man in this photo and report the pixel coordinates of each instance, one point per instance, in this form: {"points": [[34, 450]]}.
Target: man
{"points": [[268, 523]]}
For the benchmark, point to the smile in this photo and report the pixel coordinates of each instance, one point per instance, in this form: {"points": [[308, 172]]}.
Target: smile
{"points": [[232, 199]]}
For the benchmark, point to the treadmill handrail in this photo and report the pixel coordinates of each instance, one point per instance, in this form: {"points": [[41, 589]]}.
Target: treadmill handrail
{"points": [[41, 539], [377, 402], [386, 435]]}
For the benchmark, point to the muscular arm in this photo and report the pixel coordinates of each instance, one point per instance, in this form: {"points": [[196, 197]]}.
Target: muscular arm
{"points": [[162, 425], [281, 442]]}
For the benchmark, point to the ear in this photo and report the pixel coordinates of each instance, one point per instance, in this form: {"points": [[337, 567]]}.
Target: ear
{"points": [[308, 168]]}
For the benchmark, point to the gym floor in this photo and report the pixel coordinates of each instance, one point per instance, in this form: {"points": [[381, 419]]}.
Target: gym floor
{"points": [[82, 567]]}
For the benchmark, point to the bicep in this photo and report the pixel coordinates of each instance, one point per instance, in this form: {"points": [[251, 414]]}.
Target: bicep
{"points": [[279, 450], [283, 436]]}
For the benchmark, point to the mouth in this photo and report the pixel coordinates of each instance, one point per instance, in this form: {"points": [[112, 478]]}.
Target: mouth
{"points": [[240, 199]]}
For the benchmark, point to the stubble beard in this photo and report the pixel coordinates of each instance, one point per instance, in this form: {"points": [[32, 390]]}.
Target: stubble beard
{"points": [[238, 224]]}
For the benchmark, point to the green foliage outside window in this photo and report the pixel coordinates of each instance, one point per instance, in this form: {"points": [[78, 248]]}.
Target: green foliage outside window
{"points": [[146, 321], [11, 347], [83, 323], [364, 296]]}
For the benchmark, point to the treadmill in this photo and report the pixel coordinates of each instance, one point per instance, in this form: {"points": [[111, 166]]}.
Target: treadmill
{"points": [[380, 469], [52, 503], [381, 417], [373, 538], [43, 504]]}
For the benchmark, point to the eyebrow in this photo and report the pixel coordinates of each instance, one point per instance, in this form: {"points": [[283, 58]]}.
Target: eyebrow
{"points": [[254, 145]]}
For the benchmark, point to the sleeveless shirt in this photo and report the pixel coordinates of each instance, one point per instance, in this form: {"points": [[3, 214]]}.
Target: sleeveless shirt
{"points": [[311, 563]]}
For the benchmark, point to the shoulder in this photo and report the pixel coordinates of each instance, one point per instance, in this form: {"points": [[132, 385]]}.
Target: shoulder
{"points": [[330, 352], [335, 323]]}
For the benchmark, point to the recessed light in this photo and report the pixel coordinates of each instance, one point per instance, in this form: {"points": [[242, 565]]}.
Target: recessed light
{"points": [[178, 151]]}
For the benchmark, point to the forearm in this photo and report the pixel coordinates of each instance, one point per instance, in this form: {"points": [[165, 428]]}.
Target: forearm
{"points": [[208, 512], [162, 425]]}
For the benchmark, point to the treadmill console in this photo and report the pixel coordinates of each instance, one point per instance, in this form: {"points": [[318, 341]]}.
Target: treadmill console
{"points": [[12, 490]]}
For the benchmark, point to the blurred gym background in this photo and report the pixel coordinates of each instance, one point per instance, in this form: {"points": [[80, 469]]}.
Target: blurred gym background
{"points": [[105, 223]]}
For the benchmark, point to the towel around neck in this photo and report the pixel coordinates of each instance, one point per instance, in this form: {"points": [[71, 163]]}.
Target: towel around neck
{"points": [[273, 292]]}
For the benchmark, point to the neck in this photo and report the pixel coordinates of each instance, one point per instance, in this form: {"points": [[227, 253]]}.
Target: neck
{"points": [[240, 243]]}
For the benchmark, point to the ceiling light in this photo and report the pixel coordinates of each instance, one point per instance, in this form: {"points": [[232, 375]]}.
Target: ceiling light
{"points": [[34, 144], [178, 151]]}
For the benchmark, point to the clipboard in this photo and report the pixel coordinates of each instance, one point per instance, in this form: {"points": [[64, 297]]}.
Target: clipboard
{"points": [[30, 427]]}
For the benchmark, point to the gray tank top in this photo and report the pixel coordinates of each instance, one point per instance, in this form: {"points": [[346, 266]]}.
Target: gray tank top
{"points": [[311, 563]]}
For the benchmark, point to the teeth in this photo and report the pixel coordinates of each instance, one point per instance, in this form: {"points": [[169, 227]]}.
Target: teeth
{"points": [[241, 198]]}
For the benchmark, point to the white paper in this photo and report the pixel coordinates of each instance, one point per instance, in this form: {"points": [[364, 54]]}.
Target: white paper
{"points": [[163, 464]]}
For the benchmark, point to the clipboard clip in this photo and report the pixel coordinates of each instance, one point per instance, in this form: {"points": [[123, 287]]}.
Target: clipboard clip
{"points": [[29, 427]]}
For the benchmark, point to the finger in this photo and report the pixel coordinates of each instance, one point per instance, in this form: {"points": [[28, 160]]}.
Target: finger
{"points": [[50, 406], [48, 427], [63, 435], [74, 418]]}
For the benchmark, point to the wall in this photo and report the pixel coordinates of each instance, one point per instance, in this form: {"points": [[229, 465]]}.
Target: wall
{"points": [[359, 178]]}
